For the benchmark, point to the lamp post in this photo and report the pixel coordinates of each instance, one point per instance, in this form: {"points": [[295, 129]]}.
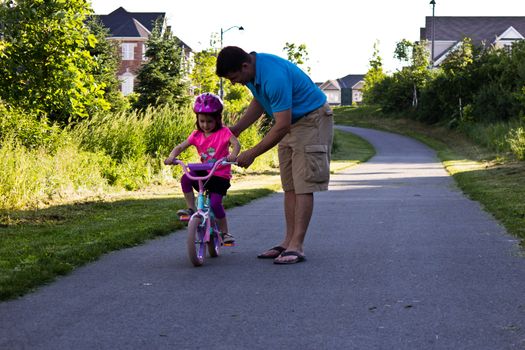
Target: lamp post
{"points": [[433, 3], [221, 91]]}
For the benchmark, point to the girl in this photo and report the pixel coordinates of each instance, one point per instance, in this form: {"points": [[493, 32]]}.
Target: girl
{"points": [[212, 141]]}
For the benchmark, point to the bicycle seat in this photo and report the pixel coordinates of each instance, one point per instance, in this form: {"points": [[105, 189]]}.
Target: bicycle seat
{"points": [[200, 166]]}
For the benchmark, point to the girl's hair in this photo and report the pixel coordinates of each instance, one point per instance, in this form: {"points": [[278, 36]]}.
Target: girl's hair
{"points": [[217, 116]]}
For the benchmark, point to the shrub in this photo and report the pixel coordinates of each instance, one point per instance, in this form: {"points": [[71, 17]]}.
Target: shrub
{"points": [[516, 140], [27, 130]]}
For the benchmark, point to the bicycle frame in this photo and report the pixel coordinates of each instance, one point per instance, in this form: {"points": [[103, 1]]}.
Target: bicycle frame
{"points": [[204, 212]]}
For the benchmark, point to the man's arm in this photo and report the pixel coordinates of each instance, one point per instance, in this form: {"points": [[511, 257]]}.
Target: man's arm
{"points": [[253, 112], [283, 122]]}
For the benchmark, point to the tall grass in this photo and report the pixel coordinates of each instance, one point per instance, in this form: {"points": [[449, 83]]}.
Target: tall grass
{"points": [[108, 152], [137, 142], [30, 177], [500, 137]]}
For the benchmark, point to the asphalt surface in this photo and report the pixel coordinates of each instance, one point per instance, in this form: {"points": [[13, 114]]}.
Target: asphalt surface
{"points": [[397, 258]]}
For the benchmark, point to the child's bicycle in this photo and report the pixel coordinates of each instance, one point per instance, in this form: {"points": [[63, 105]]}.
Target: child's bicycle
{"points": [[202, 226]]}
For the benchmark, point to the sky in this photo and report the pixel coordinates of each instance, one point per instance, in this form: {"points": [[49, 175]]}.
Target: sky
{"points": [[339, 34]]}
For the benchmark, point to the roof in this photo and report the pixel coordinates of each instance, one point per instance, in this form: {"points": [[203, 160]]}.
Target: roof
{"points": [[347, 82], [479, 29], [122, 23]]}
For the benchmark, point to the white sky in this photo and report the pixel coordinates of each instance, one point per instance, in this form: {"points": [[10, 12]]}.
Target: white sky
{"points": [[339, 34]]}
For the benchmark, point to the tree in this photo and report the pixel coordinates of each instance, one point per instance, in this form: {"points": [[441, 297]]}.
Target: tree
{"points": [[297, 54], [105, 53], [417, 71], [47, 67], [203, 75], [374, 76], [160, 79], [204, 79]]}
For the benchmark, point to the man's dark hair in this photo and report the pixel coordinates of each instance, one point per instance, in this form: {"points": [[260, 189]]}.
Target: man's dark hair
{"points": [[230, 60]]}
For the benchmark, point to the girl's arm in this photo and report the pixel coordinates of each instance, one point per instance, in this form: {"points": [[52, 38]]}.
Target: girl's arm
{"points": [[176, 151], [236, 148]]}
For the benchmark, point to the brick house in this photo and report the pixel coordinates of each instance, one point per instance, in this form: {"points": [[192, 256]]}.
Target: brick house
{"points": [[484, 31], [131, 30]]}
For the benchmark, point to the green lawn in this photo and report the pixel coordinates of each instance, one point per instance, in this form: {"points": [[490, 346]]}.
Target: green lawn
{"points": [[38, 245]]}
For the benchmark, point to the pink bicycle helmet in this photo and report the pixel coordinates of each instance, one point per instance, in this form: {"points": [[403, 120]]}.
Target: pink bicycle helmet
{"points": [[207, 103]]}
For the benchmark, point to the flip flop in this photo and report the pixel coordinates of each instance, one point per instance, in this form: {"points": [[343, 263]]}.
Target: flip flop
{"points": [[265, 255], [298, 258]]}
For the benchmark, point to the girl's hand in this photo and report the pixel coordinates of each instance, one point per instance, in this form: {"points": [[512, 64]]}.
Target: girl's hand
{"points": [[169, 161], [231, 158]]}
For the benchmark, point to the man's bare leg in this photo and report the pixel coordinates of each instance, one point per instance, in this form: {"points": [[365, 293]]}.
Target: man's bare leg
{"points": [[298, 212]]}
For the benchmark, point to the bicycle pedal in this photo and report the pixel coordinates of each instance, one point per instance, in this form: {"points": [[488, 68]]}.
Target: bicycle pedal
{"points": [[184, 218]]}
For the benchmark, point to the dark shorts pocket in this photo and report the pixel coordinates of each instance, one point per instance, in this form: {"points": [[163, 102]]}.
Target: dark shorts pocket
{"points": [[317, 167]]}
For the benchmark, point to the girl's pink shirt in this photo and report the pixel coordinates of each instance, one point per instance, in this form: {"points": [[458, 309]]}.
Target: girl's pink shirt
{"points": [[213, 147]]}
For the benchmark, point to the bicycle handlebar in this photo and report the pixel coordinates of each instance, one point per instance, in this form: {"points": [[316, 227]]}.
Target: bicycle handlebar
{"points": [[201, 166]]}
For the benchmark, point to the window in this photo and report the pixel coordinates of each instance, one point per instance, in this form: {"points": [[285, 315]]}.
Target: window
{"points": [[128, 51], [357, 96], [143, 52], [127, 83]]}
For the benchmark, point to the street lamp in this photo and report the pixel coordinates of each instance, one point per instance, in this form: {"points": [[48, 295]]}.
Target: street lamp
{"points": [[433, 3], [221, 91]]}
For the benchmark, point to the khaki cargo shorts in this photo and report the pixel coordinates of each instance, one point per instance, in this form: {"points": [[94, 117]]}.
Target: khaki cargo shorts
{"points": [[304, 153]]}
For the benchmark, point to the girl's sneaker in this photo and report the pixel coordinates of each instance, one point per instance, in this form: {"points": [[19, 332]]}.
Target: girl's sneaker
{"points": [[227, 239]]}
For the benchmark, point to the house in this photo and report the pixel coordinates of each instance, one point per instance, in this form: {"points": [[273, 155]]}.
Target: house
{"points": [[344, 91], [484, 31], [131, 30]]}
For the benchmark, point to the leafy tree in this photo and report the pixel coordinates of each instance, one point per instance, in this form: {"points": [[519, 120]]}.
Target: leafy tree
{"points": [[297, 54], [236, 97], [161, 78], [105, 53], [203, 75], [417, 72], [47, 68], [374, 76], [456, 72]]}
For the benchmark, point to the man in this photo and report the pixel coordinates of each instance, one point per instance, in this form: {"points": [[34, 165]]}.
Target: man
{"points": [[303, 129]]}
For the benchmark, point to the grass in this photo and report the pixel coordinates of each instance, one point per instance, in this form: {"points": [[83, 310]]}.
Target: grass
{"points": [[349, 150], [36, 246], [496, 180]]}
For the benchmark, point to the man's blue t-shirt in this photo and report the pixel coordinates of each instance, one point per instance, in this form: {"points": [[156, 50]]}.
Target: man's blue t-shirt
{"points": [[280, 85]]}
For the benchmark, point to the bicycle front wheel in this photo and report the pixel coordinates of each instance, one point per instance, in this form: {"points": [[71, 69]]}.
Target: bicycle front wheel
{"points": [[214, 245], [195, 242]]}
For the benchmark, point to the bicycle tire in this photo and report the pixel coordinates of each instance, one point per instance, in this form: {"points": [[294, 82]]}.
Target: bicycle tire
{"points": [[195, 242], [214, 245]]}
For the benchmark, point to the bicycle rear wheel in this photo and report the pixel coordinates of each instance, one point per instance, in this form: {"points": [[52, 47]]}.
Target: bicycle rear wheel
{"points": [[214, 245], [195, 242]]}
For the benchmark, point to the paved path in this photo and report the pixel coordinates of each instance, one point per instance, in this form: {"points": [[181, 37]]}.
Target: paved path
{"points": [[398, 258]]}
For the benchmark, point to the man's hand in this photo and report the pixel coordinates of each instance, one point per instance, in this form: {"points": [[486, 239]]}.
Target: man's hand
{"points": [[245, 159]]}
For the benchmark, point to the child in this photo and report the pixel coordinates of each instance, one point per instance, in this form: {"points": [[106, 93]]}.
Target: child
{"points": [[212, 141]]}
